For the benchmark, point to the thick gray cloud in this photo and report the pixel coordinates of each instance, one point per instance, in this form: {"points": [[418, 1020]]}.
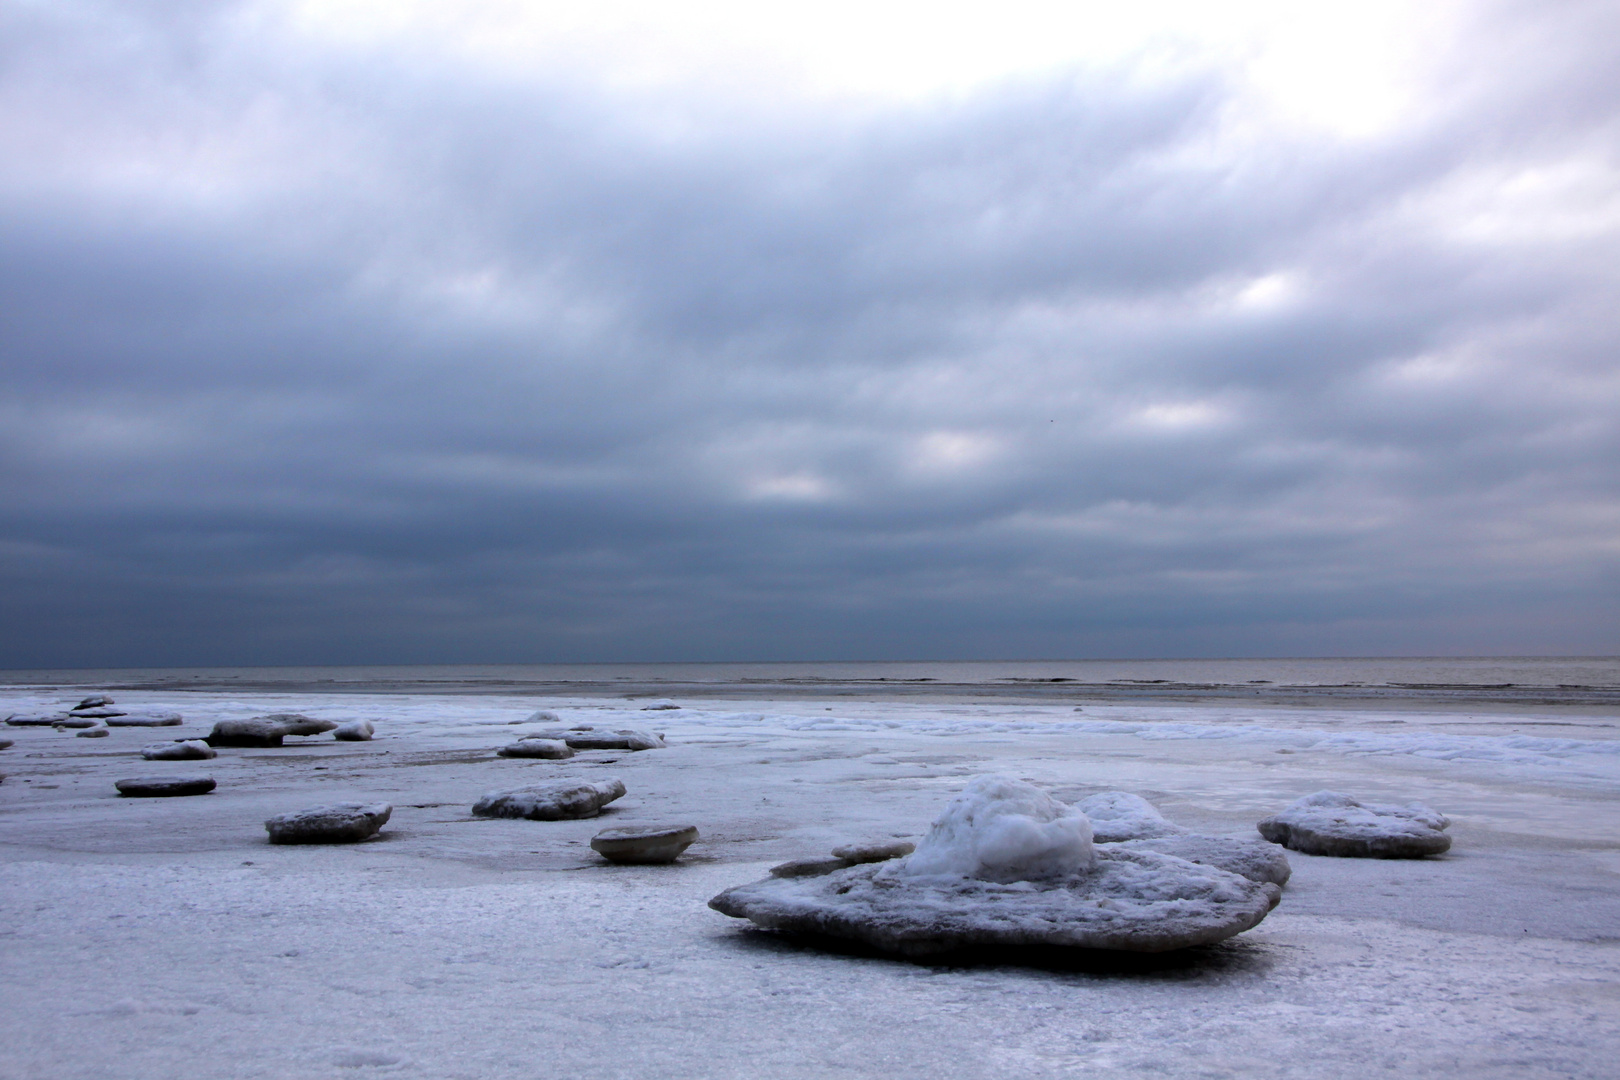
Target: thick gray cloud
{"points": [[316, 352]]}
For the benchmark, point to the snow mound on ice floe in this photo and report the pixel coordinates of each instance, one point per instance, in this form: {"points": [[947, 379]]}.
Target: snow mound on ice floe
{"points": [[1329, 823], [1118, 815], [1006, 864], [1136, 901], [1001, 829]]}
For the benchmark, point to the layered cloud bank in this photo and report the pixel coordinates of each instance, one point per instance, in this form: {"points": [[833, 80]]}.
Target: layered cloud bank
{"points": [[352, 333]]}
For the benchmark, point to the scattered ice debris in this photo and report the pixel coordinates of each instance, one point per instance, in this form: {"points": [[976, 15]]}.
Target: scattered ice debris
{"points": [[340, 823], [1253, 859], [99, 713], [644, 844], [179, 750], [1006, 864], [259, 731], [874, 850], [94, 701], [36, 720], [1001, 829], [354, 731], [1119, 815], [167, 719], [553, 749], [100, 731], [156, 787], [1328, 823], [554, 801], [299, 724], [815, 866]]}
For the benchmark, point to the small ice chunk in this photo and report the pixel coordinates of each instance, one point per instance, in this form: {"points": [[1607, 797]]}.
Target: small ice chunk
{"points": [[874, 850], [554, 749], [555, 801], [1118, 815], [1330, 823], [79, 722], [354, 731], [98, 732], [6, 743], [542, 716], [259, 731], [1001, 829], [644, 843], [157, 719], [341, 823], [659, 706], [299, 724], [181, 750], [35, 720], [94, 701], [160, 787], [815, 866]]}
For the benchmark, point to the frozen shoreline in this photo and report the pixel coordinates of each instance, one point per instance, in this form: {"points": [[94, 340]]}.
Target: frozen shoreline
{"points": [[456, 946]]}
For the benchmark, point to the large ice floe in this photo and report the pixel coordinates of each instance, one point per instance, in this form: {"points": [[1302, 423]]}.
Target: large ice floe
{"points": [[1329, 823], [1008, 865]]}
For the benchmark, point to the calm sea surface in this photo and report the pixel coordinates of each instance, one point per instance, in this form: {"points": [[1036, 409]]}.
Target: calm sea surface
{"points": [[1560, 681]]}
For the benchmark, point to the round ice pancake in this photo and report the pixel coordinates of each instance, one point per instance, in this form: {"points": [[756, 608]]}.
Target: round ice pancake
{"points": [[1135, 901], [1330, 823]]}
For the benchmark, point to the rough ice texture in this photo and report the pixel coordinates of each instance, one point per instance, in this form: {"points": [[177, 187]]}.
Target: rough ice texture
{"points": [[1330, 823], [167, 719], [554, 801], [259, 731], [184, 750], [354, 731], [814, 866], [341, 823], [299, 724], [1253, 859], [1001, 829], [1118, 815], [644, 844], [554, 749], [874, 850], [1135, 901], [151, 787]]}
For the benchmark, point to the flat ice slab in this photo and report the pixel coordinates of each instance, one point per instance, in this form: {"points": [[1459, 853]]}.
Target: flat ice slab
{"points": [[1008, 865], [1329, 823], [557, 800], [1134, 901], [1253, 859]]}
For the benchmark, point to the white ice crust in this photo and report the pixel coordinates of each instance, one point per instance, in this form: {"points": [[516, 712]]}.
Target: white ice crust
{"points": [[1332, 823], [1118, 815], [1001, 829]]}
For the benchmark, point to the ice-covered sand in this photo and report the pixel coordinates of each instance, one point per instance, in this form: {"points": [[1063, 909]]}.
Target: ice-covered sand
{"points": [[167, 938]]}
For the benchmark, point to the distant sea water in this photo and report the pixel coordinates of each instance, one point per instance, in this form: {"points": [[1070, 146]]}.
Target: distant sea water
{"points": [[1475, 682]]}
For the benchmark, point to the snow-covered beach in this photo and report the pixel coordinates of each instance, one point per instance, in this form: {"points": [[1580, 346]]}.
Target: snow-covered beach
{"points": [[167, 938]]}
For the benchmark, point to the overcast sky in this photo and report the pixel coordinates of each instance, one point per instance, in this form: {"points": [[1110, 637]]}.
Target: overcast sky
{"points": [[513, 332]]}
